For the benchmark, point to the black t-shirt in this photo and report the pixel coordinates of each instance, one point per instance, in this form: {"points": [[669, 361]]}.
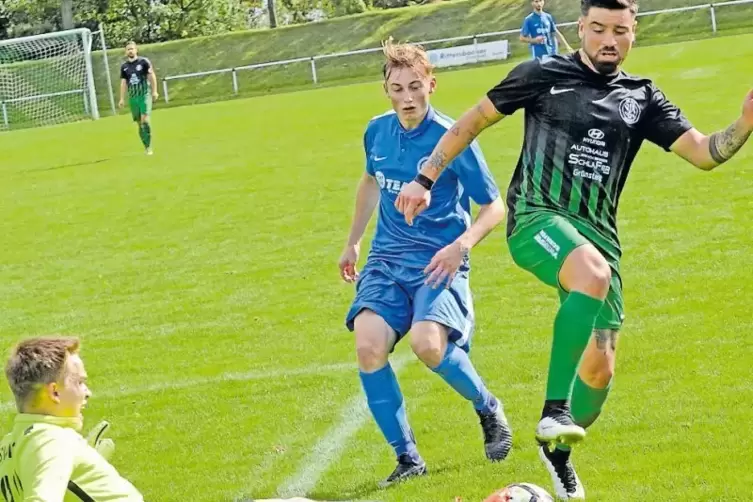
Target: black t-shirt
{"points": [[582, 133], [135, 73]]}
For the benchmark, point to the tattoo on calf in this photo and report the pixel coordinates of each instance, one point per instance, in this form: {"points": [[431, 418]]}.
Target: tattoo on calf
{"points": [[725, 144], [606, 338]]}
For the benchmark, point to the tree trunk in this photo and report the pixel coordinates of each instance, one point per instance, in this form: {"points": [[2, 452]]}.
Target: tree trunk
{"points": [[272, 13], [66, 10]]}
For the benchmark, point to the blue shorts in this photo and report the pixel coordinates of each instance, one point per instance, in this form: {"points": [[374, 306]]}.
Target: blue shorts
{"points": [[398, 295]]}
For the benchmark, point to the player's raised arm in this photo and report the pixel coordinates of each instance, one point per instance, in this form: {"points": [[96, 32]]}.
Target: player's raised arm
{"points": [[517, 90], [667, 127], [412, 199], [367, 198], [708, 152]]}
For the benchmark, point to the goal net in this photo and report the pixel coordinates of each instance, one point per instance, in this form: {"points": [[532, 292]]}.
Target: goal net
{"points": [[47, 79]]}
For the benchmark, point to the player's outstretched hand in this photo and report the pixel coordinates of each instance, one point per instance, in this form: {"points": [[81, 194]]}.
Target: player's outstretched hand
{"points": [[104, 447], [348, 262], [444, 265], [412, 200], [748, 108]]}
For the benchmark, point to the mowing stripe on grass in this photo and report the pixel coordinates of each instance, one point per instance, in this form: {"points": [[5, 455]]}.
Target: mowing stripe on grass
{"points": [[222, 378]]}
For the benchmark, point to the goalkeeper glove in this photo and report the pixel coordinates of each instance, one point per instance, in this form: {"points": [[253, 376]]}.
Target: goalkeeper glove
{"points": [[104, 447]]}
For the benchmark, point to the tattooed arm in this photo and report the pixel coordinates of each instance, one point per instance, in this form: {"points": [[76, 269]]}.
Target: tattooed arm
{"points": [[462, 134], [708, 152], [415, 197]]}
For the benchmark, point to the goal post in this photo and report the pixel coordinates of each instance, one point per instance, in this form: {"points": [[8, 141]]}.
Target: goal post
{"points": [[47, 79]]}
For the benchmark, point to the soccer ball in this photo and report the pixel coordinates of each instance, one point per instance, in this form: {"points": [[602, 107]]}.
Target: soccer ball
{"points": [[520, 492]]}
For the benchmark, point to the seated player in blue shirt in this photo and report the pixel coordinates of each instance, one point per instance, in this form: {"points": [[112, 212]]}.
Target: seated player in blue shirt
{"points": [[539, 30], [416, 277]]}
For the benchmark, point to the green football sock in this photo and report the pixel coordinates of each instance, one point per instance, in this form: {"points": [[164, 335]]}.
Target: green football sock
{"points": [[587, 402], [573, 326], [145, 133], [142, 134]]}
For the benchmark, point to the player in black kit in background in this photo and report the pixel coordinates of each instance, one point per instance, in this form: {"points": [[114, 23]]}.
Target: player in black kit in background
{"points": [[585, 121]]}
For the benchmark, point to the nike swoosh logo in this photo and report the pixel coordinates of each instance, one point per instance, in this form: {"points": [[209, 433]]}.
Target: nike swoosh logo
{"points": [[377, 159], [554, 91]]}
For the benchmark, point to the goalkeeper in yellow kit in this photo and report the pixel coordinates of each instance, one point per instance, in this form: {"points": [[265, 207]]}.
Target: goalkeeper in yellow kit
{"points": [[45, 458]]}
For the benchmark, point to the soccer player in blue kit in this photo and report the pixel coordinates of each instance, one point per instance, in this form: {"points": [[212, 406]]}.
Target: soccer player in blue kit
{"points": [[539, 30], [416, 276]]}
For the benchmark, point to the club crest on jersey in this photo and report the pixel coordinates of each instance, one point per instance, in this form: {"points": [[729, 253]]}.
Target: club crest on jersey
{"points": [[630, 110], [392, 186], [138, 67]]}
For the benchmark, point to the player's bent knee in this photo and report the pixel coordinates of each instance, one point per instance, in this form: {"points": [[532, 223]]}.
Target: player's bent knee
{"points": [[373, 341], [371, 358], [586, 271], [428, 340]]}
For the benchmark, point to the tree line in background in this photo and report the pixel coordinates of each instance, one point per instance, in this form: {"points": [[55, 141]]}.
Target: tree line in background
{"points": [[161, 20]]}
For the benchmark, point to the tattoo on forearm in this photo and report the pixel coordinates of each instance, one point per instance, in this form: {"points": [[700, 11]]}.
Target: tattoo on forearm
{"points": [[606, 338], [725, 144], [437, 162]]}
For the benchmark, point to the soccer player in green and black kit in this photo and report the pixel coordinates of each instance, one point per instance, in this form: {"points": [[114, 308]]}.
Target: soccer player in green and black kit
{"points": [[44, 458], [137, 76], [585, 120]]}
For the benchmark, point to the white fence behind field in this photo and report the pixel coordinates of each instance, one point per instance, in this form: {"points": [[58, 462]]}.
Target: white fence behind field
{"points": [[426, 43]]}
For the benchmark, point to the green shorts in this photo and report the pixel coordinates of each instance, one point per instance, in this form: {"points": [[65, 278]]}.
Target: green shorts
{"points": [[540, 244], [140, 105]]}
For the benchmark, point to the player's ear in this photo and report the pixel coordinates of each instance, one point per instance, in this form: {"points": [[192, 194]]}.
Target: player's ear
{"points": [[581, 28], [432, 84], [53, 392]]}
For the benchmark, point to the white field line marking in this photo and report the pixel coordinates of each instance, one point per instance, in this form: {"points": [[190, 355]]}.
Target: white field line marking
{"points": [[329, 448]]}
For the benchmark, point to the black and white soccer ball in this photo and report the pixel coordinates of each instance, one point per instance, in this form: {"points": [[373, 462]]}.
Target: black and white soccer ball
{"points": [[520, 492]]}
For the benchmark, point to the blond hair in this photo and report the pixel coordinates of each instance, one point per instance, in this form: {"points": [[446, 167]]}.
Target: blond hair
{"points": [[37, 362], [411, 56]]}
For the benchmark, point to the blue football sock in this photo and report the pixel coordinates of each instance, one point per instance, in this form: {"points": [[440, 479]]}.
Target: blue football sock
{"points": [[388, 408], [457, 370]]}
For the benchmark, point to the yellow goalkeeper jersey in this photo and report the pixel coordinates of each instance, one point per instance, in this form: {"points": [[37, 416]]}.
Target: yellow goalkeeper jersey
{"points": [[45, 459]]}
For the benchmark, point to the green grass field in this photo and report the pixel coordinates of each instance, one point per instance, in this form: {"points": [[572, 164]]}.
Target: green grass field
{"points": [[203, 282]]}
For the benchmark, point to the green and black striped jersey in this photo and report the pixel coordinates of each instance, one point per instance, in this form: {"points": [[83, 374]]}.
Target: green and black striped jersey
{"points": [[136, 74], [582, 133]]}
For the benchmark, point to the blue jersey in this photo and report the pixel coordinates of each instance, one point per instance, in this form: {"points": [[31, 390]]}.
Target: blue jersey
{"points": [[536, 25], [394, 156]]}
